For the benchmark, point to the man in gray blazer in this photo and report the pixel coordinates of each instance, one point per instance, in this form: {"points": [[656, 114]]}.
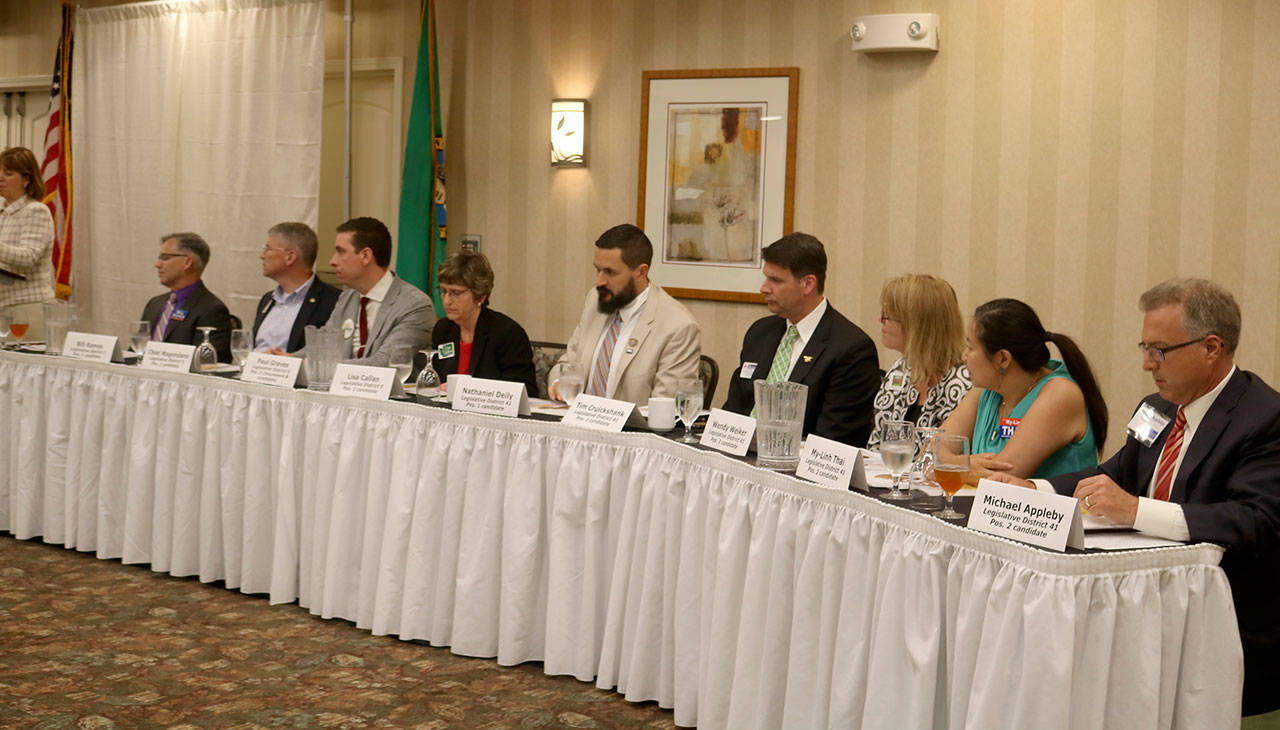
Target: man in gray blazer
{"points": [[377, 312], [634, 340]]}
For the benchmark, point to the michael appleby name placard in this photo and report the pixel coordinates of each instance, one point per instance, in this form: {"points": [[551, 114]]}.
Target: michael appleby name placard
{"points": [[277, 370], [362, 381], [492, 397], [90, 347], [1027, 515], [598, 414], [728, 432]]}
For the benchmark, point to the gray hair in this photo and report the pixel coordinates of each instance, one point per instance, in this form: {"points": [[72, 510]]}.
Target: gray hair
{"points": [[192, 244], [300, 238], [1207, 308]]}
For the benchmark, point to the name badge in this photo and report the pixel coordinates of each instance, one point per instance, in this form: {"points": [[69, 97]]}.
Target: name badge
{"points": [[748, 369], [446, 350], [897, 382], [178, 315], [1008, 426], [1051, 521], [1146, 424]]}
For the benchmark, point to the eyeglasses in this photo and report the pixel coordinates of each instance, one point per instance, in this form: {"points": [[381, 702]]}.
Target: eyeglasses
{"points": [[167, 256], [269, 249], [453, 293], [1159, 352]]}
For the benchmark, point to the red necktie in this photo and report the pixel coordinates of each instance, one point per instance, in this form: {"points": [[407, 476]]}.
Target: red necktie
{"points": [[364, 327], [1169, 458]]}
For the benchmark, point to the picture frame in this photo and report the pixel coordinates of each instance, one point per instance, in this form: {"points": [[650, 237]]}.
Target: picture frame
{"points": [[717, 175]]}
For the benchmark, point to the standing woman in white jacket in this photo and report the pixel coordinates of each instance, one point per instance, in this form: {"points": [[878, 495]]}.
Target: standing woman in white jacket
{"points": [[26, 242]]}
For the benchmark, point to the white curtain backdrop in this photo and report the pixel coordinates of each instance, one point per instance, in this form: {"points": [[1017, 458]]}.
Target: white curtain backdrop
{"points": [[191, 116]]}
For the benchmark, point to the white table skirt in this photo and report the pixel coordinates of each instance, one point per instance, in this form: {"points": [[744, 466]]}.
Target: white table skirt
{"points": [[738, 597]]}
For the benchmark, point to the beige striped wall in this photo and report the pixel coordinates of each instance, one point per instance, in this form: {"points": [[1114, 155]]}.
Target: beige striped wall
{"points": [[1068, 152]]}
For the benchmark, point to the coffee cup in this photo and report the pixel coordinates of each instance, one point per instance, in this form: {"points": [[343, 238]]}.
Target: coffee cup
{"points": [[662, 413]]}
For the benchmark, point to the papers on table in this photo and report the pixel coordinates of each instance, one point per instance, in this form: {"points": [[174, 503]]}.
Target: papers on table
{"points": [[1128, 540]]}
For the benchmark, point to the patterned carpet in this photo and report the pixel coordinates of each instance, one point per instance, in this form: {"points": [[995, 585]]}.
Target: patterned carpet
{"points": [[88, 643]]}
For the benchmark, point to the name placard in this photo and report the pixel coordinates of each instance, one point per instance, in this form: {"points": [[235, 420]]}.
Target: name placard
{"points": [[275, 370], [831, 463], [493, 397], [169, 357], [598, 414], [362, 381], [94, 348], [728, 432], [1047, 520]]}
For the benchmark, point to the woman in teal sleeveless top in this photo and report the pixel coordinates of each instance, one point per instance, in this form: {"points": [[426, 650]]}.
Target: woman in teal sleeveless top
{"points": [[1027, 414]]}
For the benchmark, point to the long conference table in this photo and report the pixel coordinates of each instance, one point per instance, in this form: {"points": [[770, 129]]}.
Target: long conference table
{"points": [[738, 597]]}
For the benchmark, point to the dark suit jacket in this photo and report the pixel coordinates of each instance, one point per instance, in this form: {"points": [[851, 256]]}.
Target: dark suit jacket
{"points": [[315, 311], [204, 309], [839, 364], [500, 350], [1229, 486]]}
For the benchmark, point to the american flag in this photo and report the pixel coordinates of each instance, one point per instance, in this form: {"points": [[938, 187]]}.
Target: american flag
{"points": [[56, 169]]}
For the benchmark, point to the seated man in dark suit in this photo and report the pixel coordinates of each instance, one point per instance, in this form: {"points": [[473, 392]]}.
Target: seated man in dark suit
{"points": [[1201, 462], [808, 342], [299, 298], [176, 316]]}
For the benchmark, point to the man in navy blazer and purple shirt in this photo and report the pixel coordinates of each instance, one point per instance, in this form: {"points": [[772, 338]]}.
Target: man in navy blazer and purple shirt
{"points": [[1212, 474], [189, 305]]}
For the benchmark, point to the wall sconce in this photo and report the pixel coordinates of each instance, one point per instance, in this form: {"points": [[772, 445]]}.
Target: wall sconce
{"points": [[568, 132]]}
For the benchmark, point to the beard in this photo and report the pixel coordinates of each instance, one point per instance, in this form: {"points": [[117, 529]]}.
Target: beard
{"points": [[608, 302]]}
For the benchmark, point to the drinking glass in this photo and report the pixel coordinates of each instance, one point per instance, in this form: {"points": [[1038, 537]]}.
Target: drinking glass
{"points": [[18, 329], [950, 464], [241, 346], [139, 336], [402, 360], [206, 356], [570, 382], [897, 447], [4, 331], [922, 471], [688, 406], [428, 380]]}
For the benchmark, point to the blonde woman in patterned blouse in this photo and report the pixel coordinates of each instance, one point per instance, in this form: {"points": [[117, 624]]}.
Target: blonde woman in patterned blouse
{"points": [[26, 241], [920, 318]]}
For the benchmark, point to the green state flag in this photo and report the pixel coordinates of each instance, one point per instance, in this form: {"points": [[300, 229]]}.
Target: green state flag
{"points": [[422, 212]]}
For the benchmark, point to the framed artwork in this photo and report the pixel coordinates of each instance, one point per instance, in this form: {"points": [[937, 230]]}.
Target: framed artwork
{"points": [[717, 176]]}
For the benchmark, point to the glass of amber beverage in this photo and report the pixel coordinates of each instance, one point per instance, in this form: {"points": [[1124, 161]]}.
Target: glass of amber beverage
{"points": [[950, 464]]}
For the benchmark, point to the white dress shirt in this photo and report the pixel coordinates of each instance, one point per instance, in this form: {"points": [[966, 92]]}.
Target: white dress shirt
{"points": [[376, 294], [628, 316], [805, 327]]}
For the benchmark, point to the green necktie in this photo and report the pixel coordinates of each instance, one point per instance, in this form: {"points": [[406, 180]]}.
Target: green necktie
{"points": [[781, 359]]}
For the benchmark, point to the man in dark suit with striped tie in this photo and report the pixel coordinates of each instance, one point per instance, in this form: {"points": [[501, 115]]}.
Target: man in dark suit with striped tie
{"points": [[1201, 462]]}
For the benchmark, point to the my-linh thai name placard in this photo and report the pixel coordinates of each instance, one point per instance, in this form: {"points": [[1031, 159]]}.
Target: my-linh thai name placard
{"points": [[1043, 519], [728, 432], [598, 414], [492, 397], [169, 357], [280, 371], [831, 463], [362, 381], [90, 347]]}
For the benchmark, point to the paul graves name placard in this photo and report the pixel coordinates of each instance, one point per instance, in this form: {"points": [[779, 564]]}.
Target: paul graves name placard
{"points": [[1044, 519], [280, 371]]}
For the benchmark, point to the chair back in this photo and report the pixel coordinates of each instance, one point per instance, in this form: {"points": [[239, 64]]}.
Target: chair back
{"points": [[709, 374], [545, 355]]}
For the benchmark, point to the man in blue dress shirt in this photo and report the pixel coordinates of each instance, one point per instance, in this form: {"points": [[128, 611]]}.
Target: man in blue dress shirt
{"points": [[299, 299]]}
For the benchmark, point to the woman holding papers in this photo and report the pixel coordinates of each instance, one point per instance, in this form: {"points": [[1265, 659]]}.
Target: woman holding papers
{"points": [[26, 243], [1028, 415], [473, 339], [920, 318]]}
